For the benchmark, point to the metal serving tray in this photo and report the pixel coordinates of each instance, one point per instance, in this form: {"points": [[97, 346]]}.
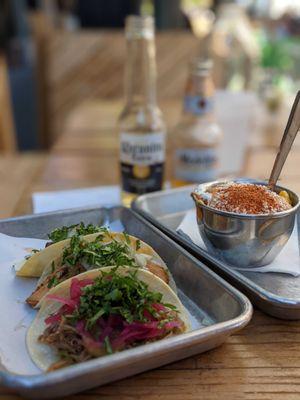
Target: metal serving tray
{"points": [[217, 309], [274, 293]]}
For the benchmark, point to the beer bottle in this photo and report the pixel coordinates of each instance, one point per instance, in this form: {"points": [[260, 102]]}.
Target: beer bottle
{"points": [[196, 138], [141, 126]]}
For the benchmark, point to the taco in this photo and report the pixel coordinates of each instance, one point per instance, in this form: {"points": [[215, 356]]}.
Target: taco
{"points": [[101, 312], [102, 249], [33, 264]]}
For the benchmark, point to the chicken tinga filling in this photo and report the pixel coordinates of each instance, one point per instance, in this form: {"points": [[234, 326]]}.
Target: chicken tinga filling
{"points": [[109, 314], [82, 255]]}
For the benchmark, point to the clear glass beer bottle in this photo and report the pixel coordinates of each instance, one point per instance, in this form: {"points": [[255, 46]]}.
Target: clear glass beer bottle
{"points": [[141, 125], [195, 141]]}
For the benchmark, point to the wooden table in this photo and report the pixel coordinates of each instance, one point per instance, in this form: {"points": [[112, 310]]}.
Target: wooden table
{"points": [[262, 362]]}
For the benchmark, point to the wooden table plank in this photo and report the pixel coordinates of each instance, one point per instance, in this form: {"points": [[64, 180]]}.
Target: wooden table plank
{"points": [[260, 362], [69, 171], [17, 173]]}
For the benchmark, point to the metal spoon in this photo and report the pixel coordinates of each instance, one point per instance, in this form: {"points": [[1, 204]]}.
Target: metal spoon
{"points": [[290, 132]]}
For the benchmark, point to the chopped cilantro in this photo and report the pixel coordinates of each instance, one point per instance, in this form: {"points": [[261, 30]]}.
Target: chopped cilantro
{"points": [[138, 245], [52, 266], [126, 236], [107, 345], [97, 253], [113, 293], [59, 234], [53, 281], [170, 306], [80, 229]]}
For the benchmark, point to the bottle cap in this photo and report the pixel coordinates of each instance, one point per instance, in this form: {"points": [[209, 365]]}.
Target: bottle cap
{"points": [[139, 27]]}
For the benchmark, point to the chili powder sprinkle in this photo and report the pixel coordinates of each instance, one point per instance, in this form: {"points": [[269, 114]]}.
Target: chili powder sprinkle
{"points": [[247, 198]]}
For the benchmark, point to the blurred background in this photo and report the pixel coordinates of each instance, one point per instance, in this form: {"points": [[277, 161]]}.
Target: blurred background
{"points": [[58, 56]]}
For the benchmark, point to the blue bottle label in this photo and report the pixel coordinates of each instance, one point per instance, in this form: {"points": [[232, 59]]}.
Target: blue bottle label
{"points": [[196, 165], [198, 105]]}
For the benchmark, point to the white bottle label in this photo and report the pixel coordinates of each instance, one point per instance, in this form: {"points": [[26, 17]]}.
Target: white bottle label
{"points": [[196, 165], [142, 149]]}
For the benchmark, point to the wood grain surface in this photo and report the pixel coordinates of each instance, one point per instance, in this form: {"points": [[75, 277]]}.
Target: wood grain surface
{"points": [[87, 64], [17, 174], [261, 362]]}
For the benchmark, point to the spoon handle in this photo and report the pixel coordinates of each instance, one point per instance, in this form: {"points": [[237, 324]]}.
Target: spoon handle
{"points": [[290, 132]]}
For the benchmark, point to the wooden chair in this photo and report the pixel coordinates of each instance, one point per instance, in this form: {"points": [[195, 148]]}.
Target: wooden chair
{"points": [[7, 129]]}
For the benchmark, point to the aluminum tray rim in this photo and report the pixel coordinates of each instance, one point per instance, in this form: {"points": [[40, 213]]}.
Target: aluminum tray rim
{"points": [[20, 382], [17, 381], [263, 294]]}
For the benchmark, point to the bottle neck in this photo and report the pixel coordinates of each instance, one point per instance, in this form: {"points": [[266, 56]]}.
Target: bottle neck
{"points": [[140, 86], [199, 95]]}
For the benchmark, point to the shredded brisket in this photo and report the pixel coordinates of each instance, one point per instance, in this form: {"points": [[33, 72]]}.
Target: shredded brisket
{"points": [[67, 341]]}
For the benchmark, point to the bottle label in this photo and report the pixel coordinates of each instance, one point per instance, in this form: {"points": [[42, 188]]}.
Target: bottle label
{"points": [[196, 165], [198, 105], [142, 159]]}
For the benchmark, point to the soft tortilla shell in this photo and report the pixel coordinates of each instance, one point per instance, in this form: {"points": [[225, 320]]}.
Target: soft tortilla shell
{"points": [[34, 266], [56, 255], [44, 356]]}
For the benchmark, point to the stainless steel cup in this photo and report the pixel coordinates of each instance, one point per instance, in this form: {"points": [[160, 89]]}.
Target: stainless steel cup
{"points": [[245, 240]]}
